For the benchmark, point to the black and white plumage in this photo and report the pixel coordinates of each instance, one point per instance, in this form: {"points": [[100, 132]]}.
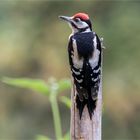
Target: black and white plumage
{"points": [[85, 61], [84, 49]]}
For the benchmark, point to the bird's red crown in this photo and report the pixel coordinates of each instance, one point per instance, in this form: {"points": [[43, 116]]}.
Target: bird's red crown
{"points": [[82, 16]]}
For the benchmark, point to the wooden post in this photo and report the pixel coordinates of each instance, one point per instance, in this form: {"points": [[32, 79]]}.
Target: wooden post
{"points": [[86, 129]]}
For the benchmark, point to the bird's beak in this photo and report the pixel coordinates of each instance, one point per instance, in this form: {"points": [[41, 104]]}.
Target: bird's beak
{"points": [[65, 18]]}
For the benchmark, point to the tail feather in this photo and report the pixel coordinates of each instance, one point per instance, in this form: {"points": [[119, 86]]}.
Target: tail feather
{"points": [[80, 105], [90, 92], [91, 105]]}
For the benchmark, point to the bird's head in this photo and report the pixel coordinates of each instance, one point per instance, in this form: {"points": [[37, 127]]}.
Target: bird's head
{"points": [[78, 22]]}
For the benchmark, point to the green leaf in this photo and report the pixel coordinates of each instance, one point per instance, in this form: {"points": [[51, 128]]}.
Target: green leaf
{"points": [[63, 85], [33, 84], [66, 101], [66, 136], [53, 85], [41, 137]]}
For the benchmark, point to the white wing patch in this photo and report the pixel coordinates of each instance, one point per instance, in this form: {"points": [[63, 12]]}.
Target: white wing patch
{"points": [[95, 80], [95, 56], [77, 62], [96, 71], [76, 72], [79, 81]]}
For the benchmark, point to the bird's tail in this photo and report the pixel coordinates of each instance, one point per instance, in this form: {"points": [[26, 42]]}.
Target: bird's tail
{"points": [[88, 99], [80, 105], [91, 105]]}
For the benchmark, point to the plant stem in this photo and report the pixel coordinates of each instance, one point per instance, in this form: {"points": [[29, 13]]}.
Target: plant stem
{"points": [[56, 116]]}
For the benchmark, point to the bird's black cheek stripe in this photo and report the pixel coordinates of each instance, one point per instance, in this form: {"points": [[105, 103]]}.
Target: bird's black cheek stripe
{"points": [[74, 25]]}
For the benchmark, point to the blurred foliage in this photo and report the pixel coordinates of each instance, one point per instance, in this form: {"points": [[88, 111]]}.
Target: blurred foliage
{"points": [[52, 89], [66, 101], [33, 44], [37, 85], [40, 137]]}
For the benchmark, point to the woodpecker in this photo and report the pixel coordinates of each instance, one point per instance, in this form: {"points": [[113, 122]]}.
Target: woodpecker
{"points": [[84, 50]]}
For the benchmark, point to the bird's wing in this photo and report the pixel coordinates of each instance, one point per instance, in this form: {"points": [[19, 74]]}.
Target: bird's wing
{"points": [[76, 65], [95, 63]]}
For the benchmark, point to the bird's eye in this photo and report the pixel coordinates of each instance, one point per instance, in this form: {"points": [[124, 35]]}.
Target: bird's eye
{"points": [[76, 19]]}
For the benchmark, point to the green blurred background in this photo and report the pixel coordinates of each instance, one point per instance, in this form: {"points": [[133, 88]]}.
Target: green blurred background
{"points": [[33, 43]]}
